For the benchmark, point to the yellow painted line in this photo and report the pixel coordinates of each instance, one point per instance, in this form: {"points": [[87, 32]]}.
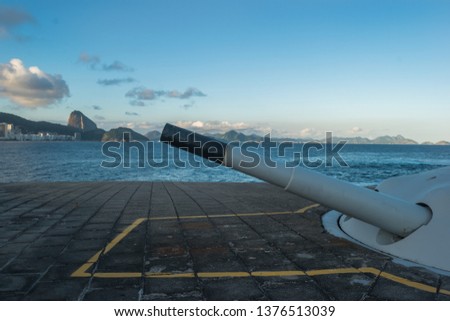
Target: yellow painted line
{"points": [[306, 208], [222, 274], [277, 273], [169, 275], [95, 257], [398, 279], [370, 270], [411, 284], [124, 233], [443, 291], [404, 281], [318, 272], [331, 271], [82, 270], [299, 211], [118, 275], [170, 218]]}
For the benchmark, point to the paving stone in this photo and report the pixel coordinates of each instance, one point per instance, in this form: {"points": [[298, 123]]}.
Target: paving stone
{"points": [[12, 248], [176, 264], [389, 290], [171, 285], [13, 283], [232, 289], [113, 294], [59, 290], [27, 238], [302, 289], [74, 257], [42, 251], [45, 236], [444, 293], [105, 283], [115, 259], [85, 245], [181, 296], [27, 265], [346, 287], [58, 272]]}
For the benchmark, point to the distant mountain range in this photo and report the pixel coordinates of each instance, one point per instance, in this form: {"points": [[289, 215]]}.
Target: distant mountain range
{"points": [[233, 135], [78, 123], [88, 130]]}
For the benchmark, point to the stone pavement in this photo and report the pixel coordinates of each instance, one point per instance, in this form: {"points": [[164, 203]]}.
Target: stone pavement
{"points": [[186, 241]]}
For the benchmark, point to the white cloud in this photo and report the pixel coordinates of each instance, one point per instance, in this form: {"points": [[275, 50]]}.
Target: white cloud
{"points": [[218, 126], [355, 130], [198, 124], [205, 127], [307, 132], [144, 125], [30, 87]]}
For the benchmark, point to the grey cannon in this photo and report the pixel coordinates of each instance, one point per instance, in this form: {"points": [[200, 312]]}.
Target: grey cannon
{"points": [[385, 211]]}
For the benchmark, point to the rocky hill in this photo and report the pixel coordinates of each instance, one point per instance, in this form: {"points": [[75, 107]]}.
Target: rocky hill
{"points": [[399, 140], [117, 135], [78, 120], [233, 135], [34, 127], [153, 135], [88, 128]]}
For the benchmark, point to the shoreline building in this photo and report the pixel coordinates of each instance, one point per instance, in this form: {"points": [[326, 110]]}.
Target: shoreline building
{"points": [[7, 131]]}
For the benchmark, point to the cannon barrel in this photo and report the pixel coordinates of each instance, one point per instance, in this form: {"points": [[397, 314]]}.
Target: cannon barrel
{"points": [[385, 211]]}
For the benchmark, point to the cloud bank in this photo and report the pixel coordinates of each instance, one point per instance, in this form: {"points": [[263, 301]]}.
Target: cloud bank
{"points": [[190, 92], [90, 60], [115, 81], [116, 66], [94, 62], [10, 19], [141, 94], [218, 126], [30, 87]]}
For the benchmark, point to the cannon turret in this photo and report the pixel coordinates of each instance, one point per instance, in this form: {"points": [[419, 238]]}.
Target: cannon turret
{"points": [[408, 216]]}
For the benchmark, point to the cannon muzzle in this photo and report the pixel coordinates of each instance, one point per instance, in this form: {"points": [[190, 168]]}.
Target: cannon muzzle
{"points": [[387, 212]]}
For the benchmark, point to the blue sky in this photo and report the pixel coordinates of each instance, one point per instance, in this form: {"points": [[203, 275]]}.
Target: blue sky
{"points": [[296, 68]]}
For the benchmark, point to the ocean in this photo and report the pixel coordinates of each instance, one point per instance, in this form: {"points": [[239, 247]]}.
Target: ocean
{"points": [[82, 161]]}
